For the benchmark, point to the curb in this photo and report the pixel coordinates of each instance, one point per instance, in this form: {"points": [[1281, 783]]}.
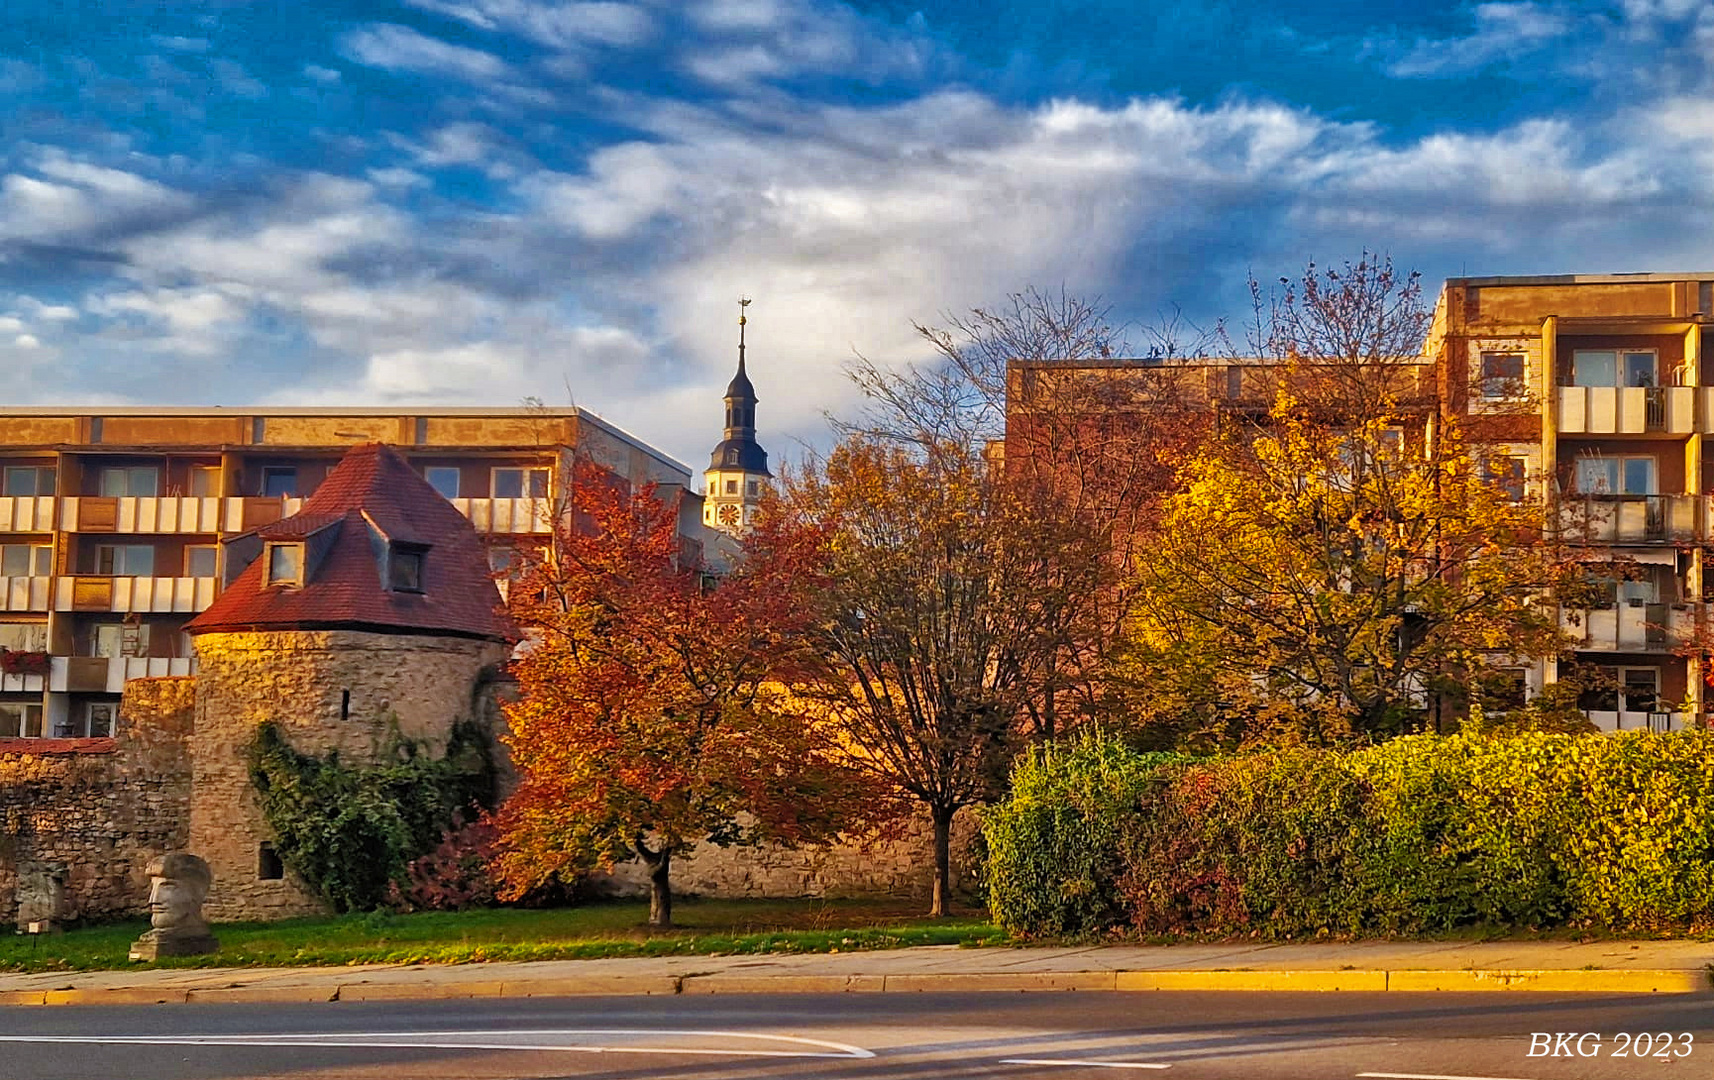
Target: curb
{"points": [[1560, 982]]}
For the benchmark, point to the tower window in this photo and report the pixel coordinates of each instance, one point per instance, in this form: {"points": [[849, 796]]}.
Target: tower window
{"points": [[405, 569], [731, 487], [268, 864], [285, 564], [755, 488]]}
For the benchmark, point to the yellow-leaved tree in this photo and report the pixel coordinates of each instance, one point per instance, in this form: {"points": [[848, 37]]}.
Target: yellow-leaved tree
{"points": [[1322, 581]]}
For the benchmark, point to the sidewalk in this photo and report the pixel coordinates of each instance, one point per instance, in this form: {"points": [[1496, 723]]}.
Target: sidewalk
{"points": [[1598, 967]]}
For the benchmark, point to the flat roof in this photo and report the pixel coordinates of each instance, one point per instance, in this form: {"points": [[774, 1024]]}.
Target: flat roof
{"points": [[503, 411], [1582, 279]]}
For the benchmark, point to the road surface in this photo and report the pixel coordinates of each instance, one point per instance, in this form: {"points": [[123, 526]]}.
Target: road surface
{"points": [[1063, 1036]]}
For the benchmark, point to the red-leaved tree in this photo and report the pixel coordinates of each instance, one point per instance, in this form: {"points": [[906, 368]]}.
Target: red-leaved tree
{"points": [[650, 717]]}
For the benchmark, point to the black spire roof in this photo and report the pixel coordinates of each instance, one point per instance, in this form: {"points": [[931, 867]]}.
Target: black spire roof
{"points": [[739, 449]]}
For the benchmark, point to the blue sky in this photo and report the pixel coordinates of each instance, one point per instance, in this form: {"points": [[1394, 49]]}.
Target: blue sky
{"points": [[472, 201]]}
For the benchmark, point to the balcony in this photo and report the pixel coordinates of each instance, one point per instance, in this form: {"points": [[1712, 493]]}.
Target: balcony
{"points": [[24, 593], [140, 594], [21, 684], [1629, 627], [27, 514], [1635, 410], [1639, 721], [171, 514], [507, 517], [108, 675], [1632, 519]]}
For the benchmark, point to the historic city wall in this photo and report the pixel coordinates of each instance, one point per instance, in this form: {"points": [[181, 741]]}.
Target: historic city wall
{"points": [[81, 818], [900, 868]]}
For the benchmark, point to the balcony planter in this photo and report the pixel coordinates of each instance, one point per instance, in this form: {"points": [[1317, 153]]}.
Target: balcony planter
{"points": [[23, 663]]}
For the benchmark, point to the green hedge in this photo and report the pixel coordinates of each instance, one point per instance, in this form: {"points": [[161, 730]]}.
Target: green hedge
{"points": [[1419, 833]]}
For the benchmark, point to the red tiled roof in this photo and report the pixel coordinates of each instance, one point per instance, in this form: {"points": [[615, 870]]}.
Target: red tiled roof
{"points": [[103, 745], [373, 496]]}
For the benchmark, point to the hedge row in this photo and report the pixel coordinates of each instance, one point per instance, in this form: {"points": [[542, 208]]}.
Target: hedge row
{"points": [[1420, 833]]}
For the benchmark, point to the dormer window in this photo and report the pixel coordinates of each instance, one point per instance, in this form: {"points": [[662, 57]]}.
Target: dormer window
{"points": [[405, 568], [285, 564]]}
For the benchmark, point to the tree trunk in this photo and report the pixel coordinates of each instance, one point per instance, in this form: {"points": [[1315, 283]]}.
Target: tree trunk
{"points": [[942, 818], [660, 887]]}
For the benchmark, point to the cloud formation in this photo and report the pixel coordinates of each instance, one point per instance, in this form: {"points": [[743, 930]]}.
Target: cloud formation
{"points": [[532, 218]]}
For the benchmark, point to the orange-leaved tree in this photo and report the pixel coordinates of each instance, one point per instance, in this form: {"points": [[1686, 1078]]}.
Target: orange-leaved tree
{"points": [[649, 718]]}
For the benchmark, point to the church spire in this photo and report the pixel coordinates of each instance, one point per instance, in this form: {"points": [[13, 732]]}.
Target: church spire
{"points": [[738, 469]]}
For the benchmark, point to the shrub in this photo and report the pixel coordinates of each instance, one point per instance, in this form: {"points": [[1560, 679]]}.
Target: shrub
{"points": [[1054, 847], [1532, 829], [350, 831], [456, 875]]}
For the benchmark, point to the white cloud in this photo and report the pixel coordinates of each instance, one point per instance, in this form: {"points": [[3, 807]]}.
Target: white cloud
{"points": [[324, 75], [1503, 31], [399, 48], [558, 25]]}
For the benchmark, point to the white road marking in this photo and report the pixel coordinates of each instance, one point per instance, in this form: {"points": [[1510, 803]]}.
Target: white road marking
{"points": [[1084, 1064], [487, 1040], [1432, 1076]]}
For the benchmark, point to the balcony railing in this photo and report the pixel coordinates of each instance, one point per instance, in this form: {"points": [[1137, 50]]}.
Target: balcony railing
{"points": [[1633, 519], [1629, 626], [109, 674], [171, 514], [24, 593], [125, 594], [507, 517], [26, 514], [1638, 721], [1634, 410]]}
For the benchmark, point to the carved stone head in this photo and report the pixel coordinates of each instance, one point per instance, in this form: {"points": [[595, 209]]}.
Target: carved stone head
{"points": [[178, 884]]}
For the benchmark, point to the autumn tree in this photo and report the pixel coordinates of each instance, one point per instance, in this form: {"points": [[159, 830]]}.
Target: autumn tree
{"points": [[1079, 440], [649, 719], [1329, 582], [932, 636]]}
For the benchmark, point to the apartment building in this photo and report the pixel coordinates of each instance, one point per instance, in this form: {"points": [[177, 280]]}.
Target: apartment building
{"points": [[1600, 391], [1594, 392], [112, 522]]}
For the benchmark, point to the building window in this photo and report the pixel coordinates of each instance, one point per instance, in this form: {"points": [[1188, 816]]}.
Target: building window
{"points": [[26, 560], [204, 481], [202, 560], [345, 704], [501, 560], [755, 488], [20, 720], [268, 864], [141, 481], [100, 718], [731, 487], [520, 483], [405, 568], [1504, 688], [444, 479], [279, 482], [1609, 367], [26, 481], [120, 639], [1502, 376], [285, 564], [1507, 473], [1619, 475], [125, 560]]}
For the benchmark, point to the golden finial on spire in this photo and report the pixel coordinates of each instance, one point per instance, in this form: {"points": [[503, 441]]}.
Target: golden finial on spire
{"points": [[743, 302]]}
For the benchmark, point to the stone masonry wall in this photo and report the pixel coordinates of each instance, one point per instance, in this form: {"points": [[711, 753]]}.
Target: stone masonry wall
{"points": [[298, 680], [89, 814], [900, 868]]}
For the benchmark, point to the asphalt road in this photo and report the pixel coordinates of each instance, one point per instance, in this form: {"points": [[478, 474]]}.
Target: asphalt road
{"points": [[1193, 1036]]}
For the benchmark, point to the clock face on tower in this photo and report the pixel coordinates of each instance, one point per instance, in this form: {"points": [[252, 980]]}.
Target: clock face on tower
{"points": [[729, 515]]}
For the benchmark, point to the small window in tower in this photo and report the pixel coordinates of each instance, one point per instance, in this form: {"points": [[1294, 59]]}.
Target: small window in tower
{"points": [[755, 488], [731, 487], [268, 864], [285, 564], [345, 704], [732, 457], [405, 569]]}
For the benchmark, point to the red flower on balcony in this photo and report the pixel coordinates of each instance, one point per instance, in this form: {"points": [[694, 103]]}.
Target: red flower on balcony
{"points": [[23, 663]]}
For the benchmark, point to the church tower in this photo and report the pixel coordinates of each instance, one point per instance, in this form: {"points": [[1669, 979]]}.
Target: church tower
{"points": [[737, 473]]}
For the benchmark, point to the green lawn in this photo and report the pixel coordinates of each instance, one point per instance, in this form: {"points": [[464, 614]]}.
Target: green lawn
{"points": [[594, 930]]}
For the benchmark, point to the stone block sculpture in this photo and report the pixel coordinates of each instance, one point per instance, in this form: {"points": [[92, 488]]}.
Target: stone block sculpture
{"points": [[178, 884]]}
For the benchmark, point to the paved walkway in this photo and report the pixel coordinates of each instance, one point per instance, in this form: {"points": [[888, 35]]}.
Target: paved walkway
{"points": [[1598, 967]]}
